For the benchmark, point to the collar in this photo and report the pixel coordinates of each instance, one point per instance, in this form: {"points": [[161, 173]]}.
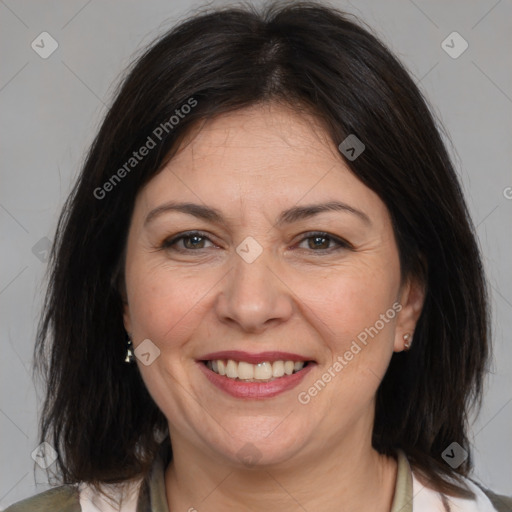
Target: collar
{"points": [[402, 501], [152, 497]]}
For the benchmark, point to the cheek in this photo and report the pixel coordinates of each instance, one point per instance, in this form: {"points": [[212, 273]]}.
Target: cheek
{"points": [[163, 305], [356, 314], [163, 300], [355, 309], [348, 300]]}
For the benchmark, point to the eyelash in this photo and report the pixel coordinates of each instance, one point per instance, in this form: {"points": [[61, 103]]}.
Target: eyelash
{"points": [[170, 243]]}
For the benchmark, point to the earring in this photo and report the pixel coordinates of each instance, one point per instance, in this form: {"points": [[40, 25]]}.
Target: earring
{"points": [[407, 341], [129, 352]]}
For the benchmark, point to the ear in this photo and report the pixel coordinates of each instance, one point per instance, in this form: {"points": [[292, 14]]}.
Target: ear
{"points": [[412, 297]]}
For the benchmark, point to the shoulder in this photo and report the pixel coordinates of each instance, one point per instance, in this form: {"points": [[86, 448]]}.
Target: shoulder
{"points": [[500, 502], [485, 500], [64, 498]]}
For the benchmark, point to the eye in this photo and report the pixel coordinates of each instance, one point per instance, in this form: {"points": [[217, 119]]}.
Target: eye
{"points": [[192, 241], [320, 242], [195, 241]]}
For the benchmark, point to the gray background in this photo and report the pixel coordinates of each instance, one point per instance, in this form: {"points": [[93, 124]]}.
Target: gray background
{"points": [[52, 107]]}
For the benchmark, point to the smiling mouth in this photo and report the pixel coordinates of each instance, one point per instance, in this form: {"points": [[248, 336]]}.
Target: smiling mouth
{"points": [[266, 371]]}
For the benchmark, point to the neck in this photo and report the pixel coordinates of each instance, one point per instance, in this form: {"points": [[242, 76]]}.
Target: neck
{"points": [[347, 475]]}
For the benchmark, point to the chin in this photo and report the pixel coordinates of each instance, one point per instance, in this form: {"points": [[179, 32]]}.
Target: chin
{"points": [[268, 443]]}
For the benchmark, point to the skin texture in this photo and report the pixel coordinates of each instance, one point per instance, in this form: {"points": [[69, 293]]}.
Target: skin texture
{"points": [[251, 165]]}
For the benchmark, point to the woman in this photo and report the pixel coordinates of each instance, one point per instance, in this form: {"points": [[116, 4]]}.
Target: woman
{"points": [[266, 291]]}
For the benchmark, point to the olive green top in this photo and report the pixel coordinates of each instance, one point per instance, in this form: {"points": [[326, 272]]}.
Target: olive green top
{"points": [[152, 497]]}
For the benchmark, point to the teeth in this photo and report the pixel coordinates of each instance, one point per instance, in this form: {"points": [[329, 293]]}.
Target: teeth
{"points": [[245, 370], [232, 369], [278, 368], [254, 372], [263, 371]]}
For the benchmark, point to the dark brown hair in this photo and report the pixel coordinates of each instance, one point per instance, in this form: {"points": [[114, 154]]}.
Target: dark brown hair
{"points": [[98, 414]]}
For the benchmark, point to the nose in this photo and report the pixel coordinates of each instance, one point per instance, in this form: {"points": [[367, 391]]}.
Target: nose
{"points": [[253, 296]]}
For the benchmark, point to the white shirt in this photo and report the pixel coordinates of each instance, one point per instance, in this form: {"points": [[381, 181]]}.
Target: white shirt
{"points": [[427, 500]]}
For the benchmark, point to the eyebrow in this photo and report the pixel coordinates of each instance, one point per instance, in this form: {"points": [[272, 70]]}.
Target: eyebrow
{"points": [[286, 217]]}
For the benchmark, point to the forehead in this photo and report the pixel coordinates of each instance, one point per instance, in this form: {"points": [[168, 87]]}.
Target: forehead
{"points": [[263, 137], [260, 156]]}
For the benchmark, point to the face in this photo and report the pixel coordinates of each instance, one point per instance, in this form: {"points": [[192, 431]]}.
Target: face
{"points": [[258, 274]]}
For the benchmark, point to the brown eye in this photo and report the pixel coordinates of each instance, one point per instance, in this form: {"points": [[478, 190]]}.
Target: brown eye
{"points": [[190, 242], [318, 242], [193, 242], [321, 242]]}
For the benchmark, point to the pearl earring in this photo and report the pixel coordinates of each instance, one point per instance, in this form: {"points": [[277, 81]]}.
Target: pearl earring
{"points": [[407, 341], [129, 352]]}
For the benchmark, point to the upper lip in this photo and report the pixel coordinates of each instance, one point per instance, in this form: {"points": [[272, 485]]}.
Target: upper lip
{"points": [[254, 358]]}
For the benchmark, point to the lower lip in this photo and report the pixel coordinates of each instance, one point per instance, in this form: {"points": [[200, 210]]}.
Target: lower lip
{"points": [[255, 390]]}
